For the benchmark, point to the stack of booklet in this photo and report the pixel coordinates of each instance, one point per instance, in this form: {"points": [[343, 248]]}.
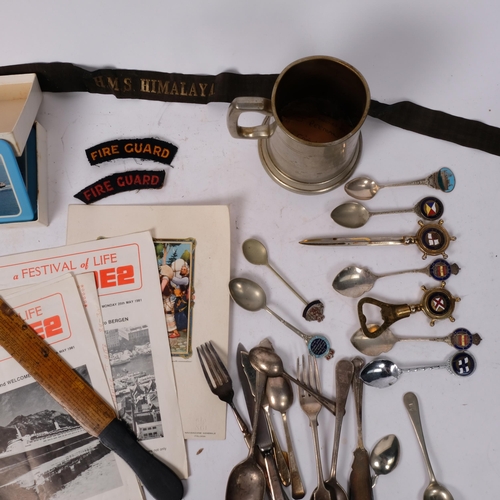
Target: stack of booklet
{"points": [[104, 306]]}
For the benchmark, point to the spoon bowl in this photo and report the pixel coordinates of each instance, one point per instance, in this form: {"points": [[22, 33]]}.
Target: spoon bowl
{"points": [[351, 215], [279, 392], [354, 281], [247, 294], [385, 456], [246, 480], [380, 373], [436, 491], [362, 188], [374, 346], [255, 252]]}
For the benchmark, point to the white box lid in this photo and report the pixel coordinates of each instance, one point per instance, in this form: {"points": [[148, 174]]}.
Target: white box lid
{"points": [[20, 99]]}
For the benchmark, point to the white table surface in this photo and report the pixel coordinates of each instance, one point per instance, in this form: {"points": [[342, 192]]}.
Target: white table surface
{"points": [[442, 55]]}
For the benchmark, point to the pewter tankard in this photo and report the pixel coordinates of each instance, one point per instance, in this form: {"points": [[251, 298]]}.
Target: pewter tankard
{"points": [[310, 139]]}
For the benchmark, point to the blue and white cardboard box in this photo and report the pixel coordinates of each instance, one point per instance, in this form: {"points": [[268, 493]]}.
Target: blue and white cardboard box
{"points": [[23, 157]]}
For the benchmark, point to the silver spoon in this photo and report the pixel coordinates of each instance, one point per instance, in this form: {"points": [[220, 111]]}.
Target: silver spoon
{"points": [[247, 480], [434, 490], [364, 188], [251, 296], [382, 373], [384, 457], [280, 396], [256, 253], [354, 281], [460, 338], [270, 363], [353, 214]]}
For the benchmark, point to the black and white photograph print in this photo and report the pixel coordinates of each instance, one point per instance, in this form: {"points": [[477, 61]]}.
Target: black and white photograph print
{"points": [[134, 380], [45, 454]]}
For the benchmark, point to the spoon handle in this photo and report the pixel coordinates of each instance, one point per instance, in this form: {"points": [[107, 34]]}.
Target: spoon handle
{"points": [[411, 403], [302, 335], [423, 368], [446, 339], [298, 490], [399, 211], [357, 389], [424, 270], [343, 378], [427, 181], [287, 284], [260, 384], [283, 470]]}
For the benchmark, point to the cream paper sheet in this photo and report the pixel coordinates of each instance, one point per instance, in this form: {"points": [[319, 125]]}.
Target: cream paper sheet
{"points": [[203, 415]]}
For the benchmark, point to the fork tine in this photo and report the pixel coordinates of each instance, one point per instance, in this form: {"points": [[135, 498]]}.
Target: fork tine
{"points": [[218, 377], [202, 362], [299, 377], [219, 365], [316, 374]]}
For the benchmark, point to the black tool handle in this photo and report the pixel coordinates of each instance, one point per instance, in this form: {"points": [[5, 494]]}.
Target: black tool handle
{"points": [[157, 478]]}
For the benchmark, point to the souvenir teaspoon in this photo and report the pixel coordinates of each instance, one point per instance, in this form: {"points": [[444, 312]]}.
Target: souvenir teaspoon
{"points": [[364, 188], [383, 373], [354, 281], [251, 296], [256, 253], [432, 239], [461, 339], [353, 214]]}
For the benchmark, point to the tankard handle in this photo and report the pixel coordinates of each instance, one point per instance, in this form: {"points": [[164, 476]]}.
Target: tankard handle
{"points": [[250, 104]]}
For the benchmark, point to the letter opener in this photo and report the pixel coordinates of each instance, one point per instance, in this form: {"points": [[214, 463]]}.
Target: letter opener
{"points": [[84, 404], [432, 239]]}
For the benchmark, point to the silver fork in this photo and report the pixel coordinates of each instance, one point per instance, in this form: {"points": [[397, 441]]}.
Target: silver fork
{"points": [[220, 383], [311, 407]]}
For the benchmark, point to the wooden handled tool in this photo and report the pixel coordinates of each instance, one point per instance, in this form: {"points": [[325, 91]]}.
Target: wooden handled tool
{"points": [[84, 404]]}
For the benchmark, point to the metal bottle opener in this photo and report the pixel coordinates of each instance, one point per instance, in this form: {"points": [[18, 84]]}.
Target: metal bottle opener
{"points": [[437, 303]]}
